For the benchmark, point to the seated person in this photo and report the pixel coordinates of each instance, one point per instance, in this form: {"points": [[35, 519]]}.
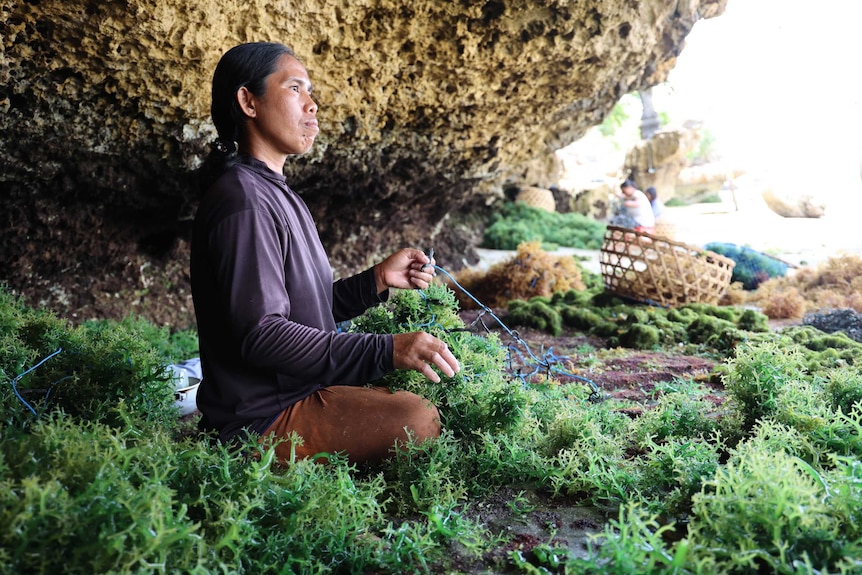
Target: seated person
{"points": [[657, 205], [266, 304], [638, 207]]}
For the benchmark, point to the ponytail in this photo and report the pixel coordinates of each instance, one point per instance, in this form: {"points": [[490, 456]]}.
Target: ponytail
{"points": [[221, 157]]}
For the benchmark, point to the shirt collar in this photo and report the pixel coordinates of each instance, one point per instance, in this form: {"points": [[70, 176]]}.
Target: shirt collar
{"points": [[262, 169]]}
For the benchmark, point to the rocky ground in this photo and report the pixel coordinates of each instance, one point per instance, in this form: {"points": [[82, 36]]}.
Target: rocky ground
{"points": [[526, 517], [620, 374]]}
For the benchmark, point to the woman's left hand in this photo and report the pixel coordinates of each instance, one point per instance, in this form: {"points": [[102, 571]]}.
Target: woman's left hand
{"points": [[405, 269]]}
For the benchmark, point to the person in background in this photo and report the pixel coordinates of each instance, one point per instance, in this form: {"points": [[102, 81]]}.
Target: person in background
{"points": [[265, 301], [657, 205], [637, 206]]}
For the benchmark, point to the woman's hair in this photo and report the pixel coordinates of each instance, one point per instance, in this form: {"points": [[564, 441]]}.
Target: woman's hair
{"points": [[246, 65]]}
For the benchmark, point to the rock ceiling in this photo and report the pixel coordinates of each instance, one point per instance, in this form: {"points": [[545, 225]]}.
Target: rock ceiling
{"points": [[426, 108]]}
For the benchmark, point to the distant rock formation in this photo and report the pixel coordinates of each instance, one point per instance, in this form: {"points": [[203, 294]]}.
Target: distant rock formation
{"points": [[659, 160], [793, 205]]}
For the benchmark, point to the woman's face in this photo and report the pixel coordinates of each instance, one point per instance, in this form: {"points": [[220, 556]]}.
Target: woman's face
{"points": [[283, 121]]}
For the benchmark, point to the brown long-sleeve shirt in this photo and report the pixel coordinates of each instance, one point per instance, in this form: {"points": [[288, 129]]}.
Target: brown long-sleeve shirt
{"points": [[267, 306]]}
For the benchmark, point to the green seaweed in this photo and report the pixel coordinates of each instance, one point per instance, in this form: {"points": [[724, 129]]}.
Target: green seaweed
{"points": [[770, 481], [640, 336], [516, 223], [710, 328]]}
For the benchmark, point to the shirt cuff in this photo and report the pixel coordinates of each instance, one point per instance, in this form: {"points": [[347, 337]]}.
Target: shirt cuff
{"points": [[369, 287]]}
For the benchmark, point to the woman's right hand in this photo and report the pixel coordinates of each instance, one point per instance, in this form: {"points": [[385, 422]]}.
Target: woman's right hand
{"points": [[421, 352]]}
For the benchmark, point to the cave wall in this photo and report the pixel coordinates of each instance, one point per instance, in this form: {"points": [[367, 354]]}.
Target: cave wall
{"points": [[426, 110]]}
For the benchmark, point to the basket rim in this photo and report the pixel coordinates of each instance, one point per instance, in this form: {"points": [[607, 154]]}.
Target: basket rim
{"points": [[724, 259]]}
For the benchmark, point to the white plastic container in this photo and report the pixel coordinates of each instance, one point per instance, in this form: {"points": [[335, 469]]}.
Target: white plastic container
{"points": [[186, 382], [186, 394]]}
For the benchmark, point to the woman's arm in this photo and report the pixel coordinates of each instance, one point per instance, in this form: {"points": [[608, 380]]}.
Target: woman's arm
{"points": [[406, 269], [247, 251]]}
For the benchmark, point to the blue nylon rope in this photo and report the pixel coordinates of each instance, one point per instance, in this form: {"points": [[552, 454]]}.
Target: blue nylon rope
{"points": [[544, 364], [20, 375]]}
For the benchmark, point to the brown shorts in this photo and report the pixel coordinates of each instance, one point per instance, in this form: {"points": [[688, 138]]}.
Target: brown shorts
{"points": [[361, 422]]}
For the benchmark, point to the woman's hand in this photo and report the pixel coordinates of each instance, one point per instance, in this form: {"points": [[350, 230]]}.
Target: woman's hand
{"points": [[421, 351], [406, 269]]}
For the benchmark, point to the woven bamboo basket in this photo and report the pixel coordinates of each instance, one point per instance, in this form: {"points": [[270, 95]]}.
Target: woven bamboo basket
{"points": [[538, 198], [656, 270]]}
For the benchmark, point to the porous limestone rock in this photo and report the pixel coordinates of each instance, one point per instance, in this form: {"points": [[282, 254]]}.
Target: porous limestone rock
{"points": [[426, 109], [699, 180], [793, 204], [599, 201], [658, 161]]}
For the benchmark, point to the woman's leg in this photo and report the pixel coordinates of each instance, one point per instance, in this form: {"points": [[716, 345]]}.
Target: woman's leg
{"points": [[362, 422]]}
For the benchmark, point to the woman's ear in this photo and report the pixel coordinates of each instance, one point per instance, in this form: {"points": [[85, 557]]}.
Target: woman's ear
{"points": [[245, 99]]}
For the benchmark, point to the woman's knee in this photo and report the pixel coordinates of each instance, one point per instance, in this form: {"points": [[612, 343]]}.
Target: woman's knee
{"points": [[421, 416]]}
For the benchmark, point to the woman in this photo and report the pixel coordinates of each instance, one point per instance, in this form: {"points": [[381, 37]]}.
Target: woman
{"points": [[265, 301], [638, 207], [657, 204]]}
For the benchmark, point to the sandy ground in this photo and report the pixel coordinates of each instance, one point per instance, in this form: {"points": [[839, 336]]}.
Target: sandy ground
{"points": [[801, 241], [749, 222]]}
